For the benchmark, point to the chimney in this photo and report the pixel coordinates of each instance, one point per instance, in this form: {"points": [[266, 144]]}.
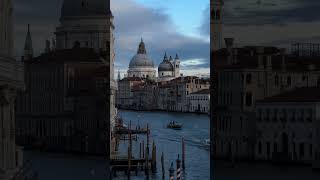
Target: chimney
{"points": [[269, 62], [283, 59], [235, 56], [229, 44], [260, 53]]}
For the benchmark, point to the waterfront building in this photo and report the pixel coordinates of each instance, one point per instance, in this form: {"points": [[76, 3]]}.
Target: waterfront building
{"points": [[11, 75], [65, 102], [169, 69], [247, 75], [144, 96], [141, 65], [124, 96], [287, 126], [200, 101], [173, 95]]}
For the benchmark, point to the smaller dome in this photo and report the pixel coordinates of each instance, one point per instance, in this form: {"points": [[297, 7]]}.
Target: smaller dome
{"points": [[165, 66]]}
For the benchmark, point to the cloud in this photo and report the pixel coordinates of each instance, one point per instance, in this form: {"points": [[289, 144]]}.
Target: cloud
{"points": [[159, 33]]}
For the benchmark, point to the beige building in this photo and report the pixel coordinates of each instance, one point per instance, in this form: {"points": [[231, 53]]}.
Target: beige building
{"points": [[124, 95], [200, 101], [11, 75]]}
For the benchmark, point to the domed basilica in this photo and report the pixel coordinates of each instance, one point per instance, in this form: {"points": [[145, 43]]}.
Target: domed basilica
{"points": [[141, 65]]}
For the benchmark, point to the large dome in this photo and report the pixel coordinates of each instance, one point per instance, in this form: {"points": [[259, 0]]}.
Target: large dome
{"points": [[75, 8], [141, 59]]}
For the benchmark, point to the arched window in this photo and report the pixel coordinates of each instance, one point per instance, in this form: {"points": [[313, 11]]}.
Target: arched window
{"points": [[259, 147], [213, 14], [248, 99], [276, 80], [275, 147], [289, 81], [218, 14], [248, 78]]}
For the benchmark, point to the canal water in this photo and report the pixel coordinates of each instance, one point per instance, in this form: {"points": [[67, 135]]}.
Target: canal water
{"points": [[195, 130]]}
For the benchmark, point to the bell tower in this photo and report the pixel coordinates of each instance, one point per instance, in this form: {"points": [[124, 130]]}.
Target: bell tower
{"points": [[6, 28], [216, 24]]}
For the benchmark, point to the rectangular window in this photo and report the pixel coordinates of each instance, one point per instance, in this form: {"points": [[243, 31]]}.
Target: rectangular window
{"points": [[301, 150], [248, 99]]}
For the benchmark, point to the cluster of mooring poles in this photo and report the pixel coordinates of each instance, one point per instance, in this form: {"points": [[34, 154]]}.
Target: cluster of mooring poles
{"points": [[180, 165], [143, 163]]}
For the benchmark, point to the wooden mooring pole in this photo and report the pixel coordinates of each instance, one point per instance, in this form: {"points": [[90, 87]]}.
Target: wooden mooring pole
{"points": [[162, 166], [171, 172], [178, 161], [183, 154], [154, 158]]}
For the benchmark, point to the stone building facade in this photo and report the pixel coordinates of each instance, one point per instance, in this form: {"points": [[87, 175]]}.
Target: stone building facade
{"points": [[287, 126], [141, 65], [11, 75], [200, 101], [70, 87], [244, 76], [173, 95]]}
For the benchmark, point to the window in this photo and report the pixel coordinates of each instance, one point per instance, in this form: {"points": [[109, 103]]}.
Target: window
{"points": [[301, 115], [301, 150], [309, 116], [275, 115], [218, 14], [259, 115], [241, 122], [259, 147], [248, 99], [283, 115], [213, 13], [276, 80], [310, 150], [293, 115], [275, 147], [248, 79], [289, 81], [267, 115], [268, 149]]}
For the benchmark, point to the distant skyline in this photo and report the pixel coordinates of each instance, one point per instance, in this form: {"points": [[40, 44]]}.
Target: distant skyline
{"points": [[165, 26]]}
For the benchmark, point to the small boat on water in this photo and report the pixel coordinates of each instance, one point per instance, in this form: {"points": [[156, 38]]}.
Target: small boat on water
{"points": [[174, 125], [207, 142]]}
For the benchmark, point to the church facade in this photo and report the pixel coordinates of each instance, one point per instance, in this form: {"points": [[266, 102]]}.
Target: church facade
{"points": [[142, 66]]}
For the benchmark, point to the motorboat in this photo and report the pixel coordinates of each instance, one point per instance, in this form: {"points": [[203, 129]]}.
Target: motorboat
{"points": [[207, 142], [174, 125]]}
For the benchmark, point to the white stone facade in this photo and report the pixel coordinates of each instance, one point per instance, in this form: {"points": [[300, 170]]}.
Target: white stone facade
{"points": [[200, 101]]}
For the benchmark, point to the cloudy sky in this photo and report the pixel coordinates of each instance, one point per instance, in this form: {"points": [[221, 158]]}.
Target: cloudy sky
{"points": [[182, 26], [165, 26]]}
